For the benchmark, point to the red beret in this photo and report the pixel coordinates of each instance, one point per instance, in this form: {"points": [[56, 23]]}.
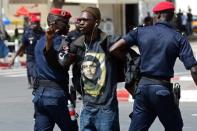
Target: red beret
{"points": [[34, 13], [60, 12], [162, 6], [34, 18]]}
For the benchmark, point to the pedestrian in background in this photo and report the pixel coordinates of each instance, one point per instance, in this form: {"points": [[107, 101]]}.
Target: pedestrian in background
{"points": [[52, 98], [95, 74], [159, 46], [189, 21], [148, 20], [184, 23], [4, 50], [30, 38], [179, 21], [74, 34]]}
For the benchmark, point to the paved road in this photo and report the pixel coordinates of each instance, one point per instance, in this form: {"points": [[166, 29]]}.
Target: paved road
{"points": [[16, 109]]}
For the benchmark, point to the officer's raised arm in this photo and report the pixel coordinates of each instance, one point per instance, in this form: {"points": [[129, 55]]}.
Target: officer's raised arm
{"points": [[58, 22], [49, 37], [118, 48], [194, 73]]}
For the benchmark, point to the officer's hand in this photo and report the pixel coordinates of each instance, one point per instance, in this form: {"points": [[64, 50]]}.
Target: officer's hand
{"points": [[49, 37], [72, 58], [50, 33]]}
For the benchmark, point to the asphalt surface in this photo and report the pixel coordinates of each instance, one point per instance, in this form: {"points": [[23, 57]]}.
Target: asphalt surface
{"points": [[16, 108]]}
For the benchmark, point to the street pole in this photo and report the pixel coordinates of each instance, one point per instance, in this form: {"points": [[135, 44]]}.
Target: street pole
{"points": [[2, 33]]}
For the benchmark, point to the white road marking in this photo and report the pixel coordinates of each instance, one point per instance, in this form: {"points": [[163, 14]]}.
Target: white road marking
{"points": [[194, 114], [15, 72], [186, 78], [186, 96], [17, 75]]}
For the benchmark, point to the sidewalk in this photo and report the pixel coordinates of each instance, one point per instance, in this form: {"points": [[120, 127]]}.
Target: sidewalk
{"points": [[4, 63]]}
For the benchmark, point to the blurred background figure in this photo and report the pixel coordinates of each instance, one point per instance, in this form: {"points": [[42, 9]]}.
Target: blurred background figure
{"points": [[74, 34], [26, 23], [179, 20], [3, 49], [31, 35], [108, 26], [189, 21], [148, 20], [184, 23], [16, 33]]}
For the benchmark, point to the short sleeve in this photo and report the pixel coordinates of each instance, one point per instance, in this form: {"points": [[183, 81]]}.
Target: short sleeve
{"points": [[186, 53], [24, 38], [131, 37]]}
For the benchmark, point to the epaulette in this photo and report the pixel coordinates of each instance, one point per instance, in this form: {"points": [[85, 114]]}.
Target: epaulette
{"points": [[182, 33], [136, 27]]}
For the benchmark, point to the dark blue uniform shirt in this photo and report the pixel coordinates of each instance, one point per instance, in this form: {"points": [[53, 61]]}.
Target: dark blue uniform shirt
{"points": [[159, 46], [44, 70], [30, 39]]}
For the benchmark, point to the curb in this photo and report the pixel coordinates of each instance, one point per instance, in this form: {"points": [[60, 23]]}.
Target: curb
{"points": [[122, 95], [6, 65], [182, 78]]}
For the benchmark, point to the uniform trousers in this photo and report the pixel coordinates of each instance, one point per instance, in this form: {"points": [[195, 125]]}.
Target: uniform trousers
{"points": [[151, 101], [51, 108]]}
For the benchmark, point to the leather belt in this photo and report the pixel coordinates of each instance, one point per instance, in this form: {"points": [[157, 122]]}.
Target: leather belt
{"points": [[158, 81], [52, 84]]}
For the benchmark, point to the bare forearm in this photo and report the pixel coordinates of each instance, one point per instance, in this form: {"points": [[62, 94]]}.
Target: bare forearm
{"points": [[48, 45], [19, 51], [49, 38], [118, 48]]}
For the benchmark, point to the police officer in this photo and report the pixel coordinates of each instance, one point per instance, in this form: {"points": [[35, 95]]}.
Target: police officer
{"points": [[51, 97], [159, 46], [30, 37]]}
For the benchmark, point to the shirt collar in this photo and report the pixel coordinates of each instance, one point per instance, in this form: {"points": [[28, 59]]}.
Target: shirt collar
{"points": [[164, 23]]}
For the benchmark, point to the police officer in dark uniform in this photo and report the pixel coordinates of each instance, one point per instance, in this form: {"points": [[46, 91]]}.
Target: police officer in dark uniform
{"points": [[30, 37], [159, 46], [51, 96]]}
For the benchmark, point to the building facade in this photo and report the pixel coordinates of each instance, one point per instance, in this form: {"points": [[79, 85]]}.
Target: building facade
{"points": [[123, 14]]}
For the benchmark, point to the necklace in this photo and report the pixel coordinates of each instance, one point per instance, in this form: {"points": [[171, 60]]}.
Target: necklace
{"points": [[87, 46]]}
